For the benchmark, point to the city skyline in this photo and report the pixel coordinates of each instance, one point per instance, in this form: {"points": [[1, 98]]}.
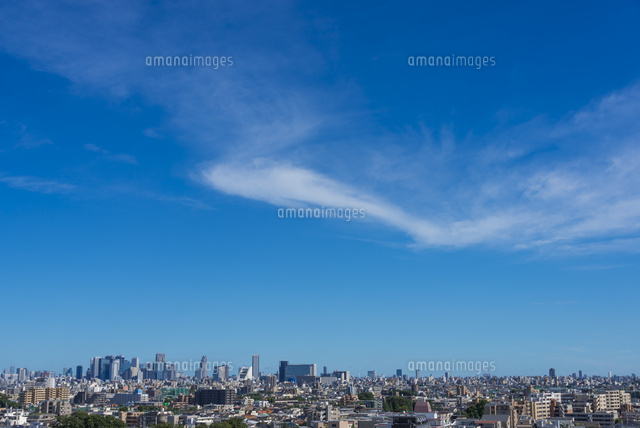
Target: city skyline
{"points": [[413, 368]]}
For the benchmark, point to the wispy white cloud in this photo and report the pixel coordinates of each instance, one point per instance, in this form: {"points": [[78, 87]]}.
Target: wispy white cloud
{"points": [[153, 133], [32, 141], [583, 203], [36, 184], [567, 302], [120, 157]]}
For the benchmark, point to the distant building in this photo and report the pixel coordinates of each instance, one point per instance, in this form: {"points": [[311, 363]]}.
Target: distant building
{"points": [[36, 395], [372, 374], [342, 375], [409, 421], [271, 381], [201, 371], [221, 373], [214, 396], [552, 372], [281, 370], [124, 398], [255, 365], [56, 407], [289, 372], [245, 373], [79, 373]]}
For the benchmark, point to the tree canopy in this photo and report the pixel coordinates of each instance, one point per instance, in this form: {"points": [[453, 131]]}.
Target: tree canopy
{"points": [[475, 411], [398, 404], [230, 423], [6, 402], [365, 396], [84, 420]]}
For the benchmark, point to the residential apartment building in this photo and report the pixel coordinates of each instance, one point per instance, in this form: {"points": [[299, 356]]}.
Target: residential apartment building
{"points": [[36, 395]]}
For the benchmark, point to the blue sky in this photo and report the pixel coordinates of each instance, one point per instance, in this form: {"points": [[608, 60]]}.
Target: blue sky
{"points": [[138, 205]]}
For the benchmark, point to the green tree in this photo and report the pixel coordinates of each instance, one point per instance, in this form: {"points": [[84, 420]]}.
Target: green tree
{"points": [[365, 396], [230, 423], [83, 420], [398, 404], [475, 411], [6, 402]]}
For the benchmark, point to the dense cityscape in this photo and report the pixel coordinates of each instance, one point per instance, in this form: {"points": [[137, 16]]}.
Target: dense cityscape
{"points": [[319, 214], [118, 392]]}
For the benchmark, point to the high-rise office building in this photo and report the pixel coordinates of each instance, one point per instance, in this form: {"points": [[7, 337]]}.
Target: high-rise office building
{"points": [[160, 358], [255, 365], [342, 375], [271, 381], [94, 366], [372, 374], [552, 372], [289, 372], [221, 373], [579, 374], [170, 371], [399, 372], [201, 371], [22, 374], [114, 372], [281, 370]]}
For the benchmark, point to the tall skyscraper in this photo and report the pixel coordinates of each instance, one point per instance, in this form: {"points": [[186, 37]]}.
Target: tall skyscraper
{"points": [[135, 362], [160, 358], [201, 371], [114, 372], [399, 372], [579, 374], [221, 373], [282, 370], [552, 372], [95, 367], [255, 365], [293, 371]]}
